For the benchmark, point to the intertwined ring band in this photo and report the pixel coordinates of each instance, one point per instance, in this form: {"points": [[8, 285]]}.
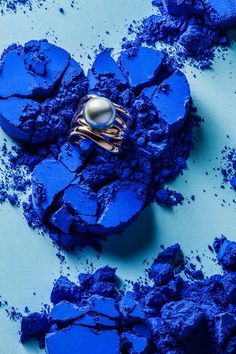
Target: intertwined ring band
{"points": [[102, 121]]}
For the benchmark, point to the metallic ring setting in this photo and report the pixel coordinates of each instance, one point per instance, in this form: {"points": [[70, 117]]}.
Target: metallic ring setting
{"points": [[102, 121]]}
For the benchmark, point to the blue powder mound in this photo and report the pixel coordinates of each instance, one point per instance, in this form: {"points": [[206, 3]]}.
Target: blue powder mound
{"points": [[170, 315], [85, 190], [193, 27]]}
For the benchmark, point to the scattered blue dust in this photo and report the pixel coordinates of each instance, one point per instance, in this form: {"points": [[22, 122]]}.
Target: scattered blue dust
{"points": [[110, 189], [229, 166], [165, 314], [8, 6], [193, 28]]}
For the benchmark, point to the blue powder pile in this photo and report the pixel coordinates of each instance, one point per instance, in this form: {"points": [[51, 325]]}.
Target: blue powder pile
{"points": [[85, 190], [172, 315], [192, 27]]}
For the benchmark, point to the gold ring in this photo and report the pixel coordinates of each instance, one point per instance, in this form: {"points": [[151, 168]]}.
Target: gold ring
{"points": [[102, 121]]}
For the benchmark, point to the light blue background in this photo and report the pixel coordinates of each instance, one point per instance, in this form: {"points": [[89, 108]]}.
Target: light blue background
{"points": [[28, 261]]}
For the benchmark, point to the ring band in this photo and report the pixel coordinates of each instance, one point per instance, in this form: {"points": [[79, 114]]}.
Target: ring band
{"points": [[102, 121]]}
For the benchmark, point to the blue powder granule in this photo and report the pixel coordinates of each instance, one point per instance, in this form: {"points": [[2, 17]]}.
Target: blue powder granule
{"points": [[170, 315], [84, 190], [193, 27]]}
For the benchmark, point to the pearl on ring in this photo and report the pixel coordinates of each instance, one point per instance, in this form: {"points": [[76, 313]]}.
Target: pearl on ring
{"points": [[99, 113]]}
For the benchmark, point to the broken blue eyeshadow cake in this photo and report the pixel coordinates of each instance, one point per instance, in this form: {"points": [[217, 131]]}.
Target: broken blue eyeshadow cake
{"points": [[163, 315], [194, 28], [85, 190]]}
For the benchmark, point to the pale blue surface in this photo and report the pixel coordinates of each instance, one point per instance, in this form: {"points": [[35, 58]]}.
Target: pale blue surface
{"points": [[28, 261]]}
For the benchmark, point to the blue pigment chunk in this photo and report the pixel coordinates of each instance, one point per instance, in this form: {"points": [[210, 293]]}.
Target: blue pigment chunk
{"points": [[135, 344], [142, 68], [13, 111], [40, 86], [161, 273], [128, 197], [85, 279], [104, 65], [178, 93], [86, 320], [34, 325], [81, 199], [130, 308], [179, 7], [77, 339], [32, 74], [170, 254], [71, 157], [64, 289], [182, 317], [221, 13], [65, 311], [104, 306], [226, 255], [49, 178], [105, 273], [225, 324], [103, 288], [62, 219], [233, 182]]}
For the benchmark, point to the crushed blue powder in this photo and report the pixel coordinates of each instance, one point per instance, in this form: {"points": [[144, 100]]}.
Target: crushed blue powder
{"points": [[193, 28], [166, 314], [85, 190]]}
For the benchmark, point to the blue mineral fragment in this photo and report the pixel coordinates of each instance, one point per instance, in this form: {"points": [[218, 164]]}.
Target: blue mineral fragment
{"points": [[220, 13], [105, 66], [82, 340], [142, 68], [161, 273], [176, 90], [182, 317], [226, 254], [134, 344], [50, 177], [65, 311], [66, 290], [32, 71]]}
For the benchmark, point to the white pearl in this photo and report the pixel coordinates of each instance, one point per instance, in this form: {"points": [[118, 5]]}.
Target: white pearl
{"points": [[99, 112]]}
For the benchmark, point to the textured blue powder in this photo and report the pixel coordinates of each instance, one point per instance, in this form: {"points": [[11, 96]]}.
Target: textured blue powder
{"points": [[85, 190], [171, 315]]}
